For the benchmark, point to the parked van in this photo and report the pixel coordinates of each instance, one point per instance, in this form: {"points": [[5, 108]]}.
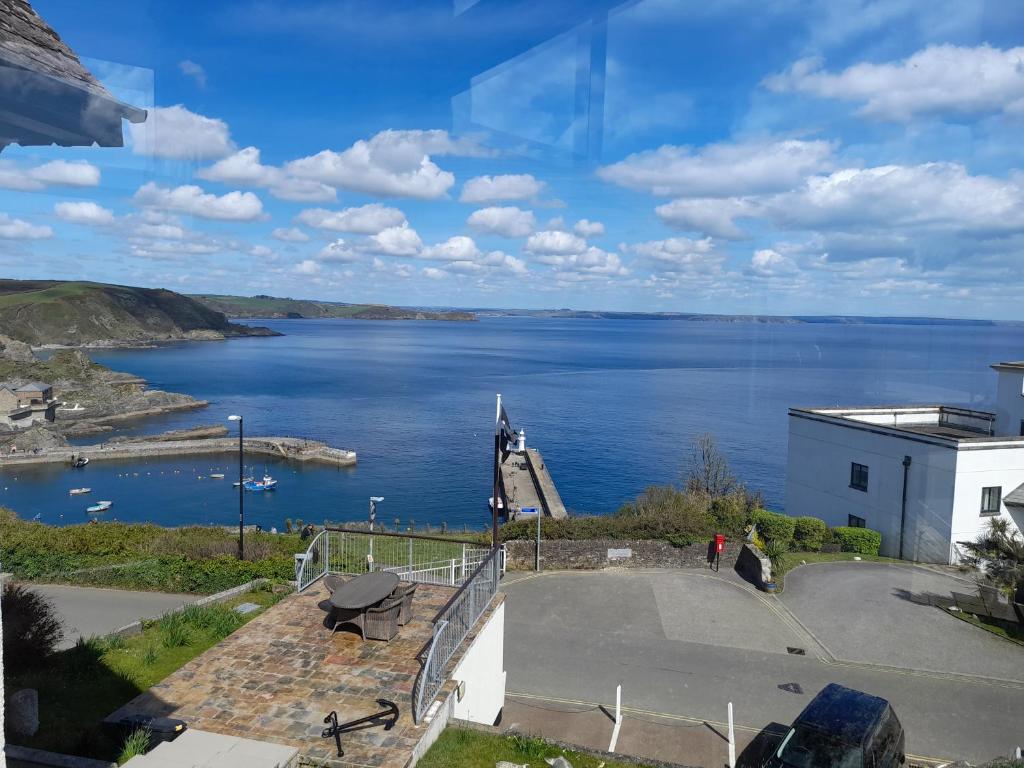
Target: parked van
{"points": [[842, 728]]}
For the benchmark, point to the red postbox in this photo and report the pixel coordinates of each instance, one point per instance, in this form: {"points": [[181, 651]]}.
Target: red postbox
{"points": [[719, 543]]}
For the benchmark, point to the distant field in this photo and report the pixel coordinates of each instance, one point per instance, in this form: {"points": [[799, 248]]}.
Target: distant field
{"points": [[272, 306]]}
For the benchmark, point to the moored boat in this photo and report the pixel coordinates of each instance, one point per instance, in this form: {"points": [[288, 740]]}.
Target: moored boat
{"points": [[266, 484], [78, 491], [217, 475], [99, 506]]}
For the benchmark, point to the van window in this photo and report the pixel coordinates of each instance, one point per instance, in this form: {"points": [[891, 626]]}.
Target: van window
{"points": [[882, 750]]}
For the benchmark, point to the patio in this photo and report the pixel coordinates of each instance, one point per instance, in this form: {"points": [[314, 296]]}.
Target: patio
{"points": [[276, 679]]}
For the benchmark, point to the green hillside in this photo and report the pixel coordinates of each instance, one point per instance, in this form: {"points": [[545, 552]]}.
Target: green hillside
{"points": [[74, 313], [273, 307]]}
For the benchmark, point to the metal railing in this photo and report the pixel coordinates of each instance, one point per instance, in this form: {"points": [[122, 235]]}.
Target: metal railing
{"points": [[452, 624], [424, 559]]}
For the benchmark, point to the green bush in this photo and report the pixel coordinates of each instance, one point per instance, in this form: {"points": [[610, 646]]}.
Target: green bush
{"points": [[32, 628], [774, 527], [863, 541], [809, 533]]}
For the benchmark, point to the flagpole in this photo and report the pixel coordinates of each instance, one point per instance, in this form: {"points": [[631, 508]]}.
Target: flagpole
{"points": [[497, 474]]}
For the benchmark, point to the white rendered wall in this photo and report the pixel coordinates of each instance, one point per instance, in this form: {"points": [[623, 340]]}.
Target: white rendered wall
{"points": [[979, 468], [818, 484], [1009, 403], [482, 669]]}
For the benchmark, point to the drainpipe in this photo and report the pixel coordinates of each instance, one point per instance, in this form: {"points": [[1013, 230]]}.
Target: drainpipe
{"points": [[903, 506]]}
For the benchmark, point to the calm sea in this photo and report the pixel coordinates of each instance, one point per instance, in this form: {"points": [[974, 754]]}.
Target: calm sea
{"points": [[612, 404]]}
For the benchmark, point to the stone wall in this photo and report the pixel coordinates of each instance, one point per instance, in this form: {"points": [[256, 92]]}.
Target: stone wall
{"points": [[561, 554]]}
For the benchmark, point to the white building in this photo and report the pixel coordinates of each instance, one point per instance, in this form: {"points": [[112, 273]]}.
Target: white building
{"points": [[925, 476]]}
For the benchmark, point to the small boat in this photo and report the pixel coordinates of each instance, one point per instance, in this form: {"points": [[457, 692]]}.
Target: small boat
{"points": [[217, 475], [36, 516], [247, 479], [266, 484], [80, 462], [78, 491], [99, 506]]}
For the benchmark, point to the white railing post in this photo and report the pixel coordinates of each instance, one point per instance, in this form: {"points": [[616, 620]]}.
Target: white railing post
{"points": [[410, 559], [463, 578], [451, 578]]}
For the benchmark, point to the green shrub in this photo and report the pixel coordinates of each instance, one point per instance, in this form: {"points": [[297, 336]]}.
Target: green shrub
{"points": [[774, 527], [174, 630], [809, 533], [136, 743], [863, 541], [220, 621], [32, 628], [732, 511]]}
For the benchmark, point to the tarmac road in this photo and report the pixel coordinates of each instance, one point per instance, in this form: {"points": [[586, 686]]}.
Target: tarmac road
{"points": [[687, 642]]}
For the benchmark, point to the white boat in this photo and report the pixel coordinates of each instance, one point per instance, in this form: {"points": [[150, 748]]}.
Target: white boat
{"points": [[246, 479], [80, 462], [78, 491], [99, 506], [217, 475]]}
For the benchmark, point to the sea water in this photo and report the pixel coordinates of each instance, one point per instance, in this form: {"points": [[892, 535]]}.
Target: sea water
{"points": [[613, 405]]}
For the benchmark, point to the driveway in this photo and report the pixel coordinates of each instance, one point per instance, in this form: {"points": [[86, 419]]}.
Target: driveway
{"points": [[862, 612], [684, 643], [90, 611]]}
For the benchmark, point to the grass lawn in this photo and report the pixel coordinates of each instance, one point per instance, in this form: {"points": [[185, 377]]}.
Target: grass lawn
{"points": [[468, 748], [82, 685]]}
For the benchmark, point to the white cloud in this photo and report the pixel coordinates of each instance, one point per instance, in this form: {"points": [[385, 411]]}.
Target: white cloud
{"points": [[290, 235], [492, 189], [18, 229], [434, 273], [680, 255], [591, 262], [587, 228], [458, 248], [391, 163], [942, 196], [84, 212], [307, 267], [190, 199], [244, 167], [720, 170], [338, 251], [552, 242], [395, 241], [506, 221], [176, 133], [364, 220], [767, 262], [940, 79], [54, 173], [193, 70], [710, 215]]}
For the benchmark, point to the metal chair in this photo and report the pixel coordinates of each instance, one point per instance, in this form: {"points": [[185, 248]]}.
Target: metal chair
{"points": [[405, 592], [380, 622], [332, 581]]}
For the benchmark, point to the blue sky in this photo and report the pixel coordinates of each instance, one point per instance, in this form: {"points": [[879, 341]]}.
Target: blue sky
{"points": [[852, 156]]}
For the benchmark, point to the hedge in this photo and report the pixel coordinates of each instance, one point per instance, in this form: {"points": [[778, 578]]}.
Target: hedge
{"points": [[863, 541], [809, 533], [772, 526]]}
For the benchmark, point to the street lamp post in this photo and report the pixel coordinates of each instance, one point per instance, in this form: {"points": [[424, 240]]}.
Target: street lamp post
{"points": [[241, 488]]}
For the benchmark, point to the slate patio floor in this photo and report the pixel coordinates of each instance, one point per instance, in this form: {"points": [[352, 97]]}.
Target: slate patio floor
{"points": [[276, 678]]}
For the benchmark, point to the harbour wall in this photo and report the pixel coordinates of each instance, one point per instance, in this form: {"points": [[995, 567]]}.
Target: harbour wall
{"points": [[296, 449]]}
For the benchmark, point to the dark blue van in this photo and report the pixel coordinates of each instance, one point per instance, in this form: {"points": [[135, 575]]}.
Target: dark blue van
{"points": [[842, 728]]}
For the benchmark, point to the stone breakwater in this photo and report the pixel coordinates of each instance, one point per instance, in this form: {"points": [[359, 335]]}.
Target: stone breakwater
{"points": [[296, 449]]}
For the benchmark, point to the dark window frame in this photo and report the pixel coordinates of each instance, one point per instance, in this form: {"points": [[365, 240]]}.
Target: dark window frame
{"points": [[859, 476], [854, 521], [987, 507]]}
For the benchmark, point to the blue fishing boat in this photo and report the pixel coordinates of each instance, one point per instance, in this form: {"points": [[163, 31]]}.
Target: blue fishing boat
{"points": [[100, 506], [266, 484]]}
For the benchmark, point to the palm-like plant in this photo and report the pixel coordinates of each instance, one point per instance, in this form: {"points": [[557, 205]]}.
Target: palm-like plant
{"points": [[999, 554]]}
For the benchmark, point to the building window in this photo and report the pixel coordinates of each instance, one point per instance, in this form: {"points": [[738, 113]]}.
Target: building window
{"points": [[856, 522], [859, 476], [991, 498], [1022, 427]]}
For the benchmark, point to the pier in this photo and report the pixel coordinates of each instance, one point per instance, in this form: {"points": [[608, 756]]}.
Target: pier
{"points": [[528, 484], [293, 448]]}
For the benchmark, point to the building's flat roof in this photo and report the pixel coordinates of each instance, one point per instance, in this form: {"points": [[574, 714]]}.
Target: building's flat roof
{"points": [[1010, 365], [949, 432]]}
